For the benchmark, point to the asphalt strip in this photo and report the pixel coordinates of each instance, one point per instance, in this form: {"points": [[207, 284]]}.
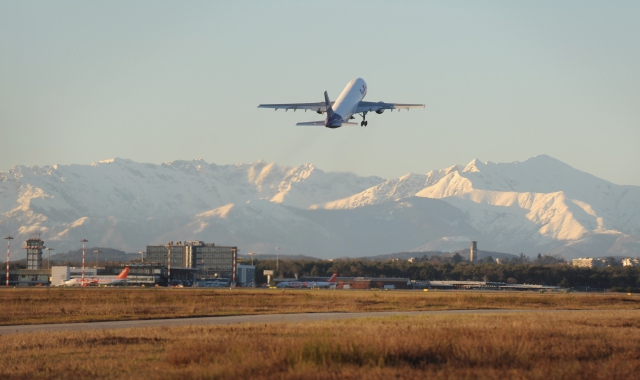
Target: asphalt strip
{"points": [[237, 319]]}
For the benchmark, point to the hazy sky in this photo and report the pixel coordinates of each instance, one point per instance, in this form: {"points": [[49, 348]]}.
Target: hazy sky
{"points": [[157, 81]]}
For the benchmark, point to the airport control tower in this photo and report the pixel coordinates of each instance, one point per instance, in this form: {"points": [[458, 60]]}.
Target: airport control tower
{"points": [[34, 247]]}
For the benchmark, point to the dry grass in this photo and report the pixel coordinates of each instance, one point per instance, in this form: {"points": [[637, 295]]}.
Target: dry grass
{"points": [[574, 345], [56, 305]]}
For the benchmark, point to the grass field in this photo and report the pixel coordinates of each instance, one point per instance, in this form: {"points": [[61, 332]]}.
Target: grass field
{"points": [[56, 305], [574, 345]]}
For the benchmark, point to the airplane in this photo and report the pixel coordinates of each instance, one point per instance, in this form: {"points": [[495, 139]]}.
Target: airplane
{"points": [[342, 110], [100, 280], [323, 284], [308, 284]]}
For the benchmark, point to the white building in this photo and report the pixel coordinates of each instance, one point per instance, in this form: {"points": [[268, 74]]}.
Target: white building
{"points": [[630, 262], [589, 262]]}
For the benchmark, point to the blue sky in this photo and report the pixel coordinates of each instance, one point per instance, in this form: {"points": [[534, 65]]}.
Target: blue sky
{"points": [[158, 81]]}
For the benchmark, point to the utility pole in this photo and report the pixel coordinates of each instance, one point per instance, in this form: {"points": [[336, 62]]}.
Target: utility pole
{"points": [[97, 252], [8, 238], [83, 242], [49, 259]]}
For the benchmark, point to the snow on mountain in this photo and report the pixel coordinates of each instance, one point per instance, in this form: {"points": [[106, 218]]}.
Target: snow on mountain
{"points": [[126, 204], [538, 204], [390, 190], [369, 230]]}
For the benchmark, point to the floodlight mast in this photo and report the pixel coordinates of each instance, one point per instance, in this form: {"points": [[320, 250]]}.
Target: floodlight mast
{"points": [[83, 242], [8, 238], [169, 246]]}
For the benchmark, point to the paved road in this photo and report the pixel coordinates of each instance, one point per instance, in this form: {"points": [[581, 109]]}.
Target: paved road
{"points": [[228, 320]]}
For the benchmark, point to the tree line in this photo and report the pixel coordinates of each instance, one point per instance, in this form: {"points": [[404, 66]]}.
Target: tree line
{"points": [[559, 274]]}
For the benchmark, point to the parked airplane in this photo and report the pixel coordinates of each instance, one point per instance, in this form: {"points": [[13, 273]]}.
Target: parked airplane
{"points": [[100, 280], [342, 110], [323, 284], [308, 284]]}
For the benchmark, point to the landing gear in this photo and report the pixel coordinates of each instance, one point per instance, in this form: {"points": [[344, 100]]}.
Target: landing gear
{"points": [[364, 122]]}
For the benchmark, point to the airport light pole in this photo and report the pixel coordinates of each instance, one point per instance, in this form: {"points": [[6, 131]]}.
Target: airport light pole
{"points": [[169, 246], [49, 259], [83, 242], [97, 252], [8, 238]]}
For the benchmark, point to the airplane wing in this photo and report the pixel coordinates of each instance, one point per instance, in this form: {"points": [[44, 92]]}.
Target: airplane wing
{"points": [[377, 106], [319, 107]]}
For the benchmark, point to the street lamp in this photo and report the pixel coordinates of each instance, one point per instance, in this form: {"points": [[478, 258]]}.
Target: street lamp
{"points": [[49, 260], [8, 238], [97, 252]]}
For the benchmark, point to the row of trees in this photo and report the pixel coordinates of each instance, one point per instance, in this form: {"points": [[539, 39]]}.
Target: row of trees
{"points": [[457, 257], [623, 278]]}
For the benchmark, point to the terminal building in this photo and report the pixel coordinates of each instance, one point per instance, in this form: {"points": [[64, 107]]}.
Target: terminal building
{"points": [[210, 260], [190, 261]]}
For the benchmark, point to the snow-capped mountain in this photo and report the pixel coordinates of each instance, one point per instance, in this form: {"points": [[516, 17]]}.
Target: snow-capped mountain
{"points": [[125, 204], [539, 205]]}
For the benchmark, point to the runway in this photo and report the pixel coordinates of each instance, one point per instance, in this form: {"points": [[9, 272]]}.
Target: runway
{"points": [[237, 319]]}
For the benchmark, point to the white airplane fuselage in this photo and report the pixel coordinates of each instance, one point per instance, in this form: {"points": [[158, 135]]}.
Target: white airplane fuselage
{"points": [[95, 281], [309, 284], [340, 112], [347, 103], [100, 280]]}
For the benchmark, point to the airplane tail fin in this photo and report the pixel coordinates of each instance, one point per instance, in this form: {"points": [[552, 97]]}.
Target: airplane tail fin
{"points": [[123, 274], [333, 278], [327, 103]]}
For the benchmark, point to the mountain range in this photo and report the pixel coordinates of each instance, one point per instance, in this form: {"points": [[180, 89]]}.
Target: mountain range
{"points": [[541, 205]]}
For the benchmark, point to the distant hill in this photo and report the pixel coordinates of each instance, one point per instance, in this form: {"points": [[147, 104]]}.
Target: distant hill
{"points": [[247, 258], [106, 254], [462, 252]]}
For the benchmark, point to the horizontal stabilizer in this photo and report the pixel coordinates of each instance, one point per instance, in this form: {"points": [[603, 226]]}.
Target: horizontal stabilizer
{"points": [[312, 123], [321, 123]]}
